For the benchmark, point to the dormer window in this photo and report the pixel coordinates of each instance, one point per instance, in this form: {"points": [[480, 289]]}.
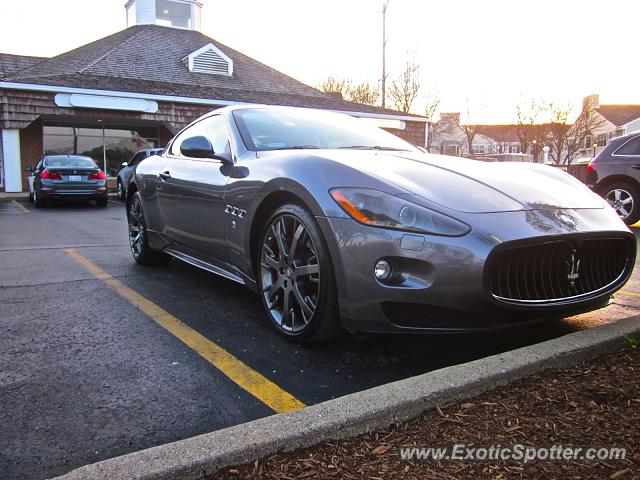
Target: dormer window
{"points": [[209, 59]]}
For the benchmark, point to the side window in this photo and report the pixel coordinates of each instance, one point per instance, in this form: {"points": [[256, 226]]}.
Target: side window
{"points": [[214, 128], [632, 147], [136, 159]]}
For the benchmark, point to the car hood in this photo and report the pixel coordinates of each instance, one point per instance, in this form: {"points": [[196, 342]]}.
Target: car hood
{"points": [[473, 186]]}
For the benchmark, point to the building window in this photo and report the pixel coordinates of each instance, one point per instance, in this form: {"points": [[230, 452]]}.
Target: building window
{"points": [[109, 147], [601, 140], [478, 149], [173, 14], [588, 142]]}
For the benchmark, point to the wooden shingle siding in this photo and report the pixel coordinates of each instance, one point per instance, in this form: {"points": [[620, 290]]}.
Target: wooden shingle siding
{"points": [[20, 108]]}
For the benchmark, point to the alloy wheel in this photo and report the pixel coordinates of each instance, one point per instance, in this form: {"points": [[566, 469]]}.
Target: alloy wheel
{"points": [[621, 201], [119, 190], [290, 273], [136, 227]]}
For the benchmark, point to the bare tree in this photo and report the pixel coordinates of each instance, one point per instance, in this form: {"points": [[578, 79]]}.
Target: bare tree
{"points": [[468, 129], [570, 140], [435, 128], [527, 126], [406, 87], [335, 85], [363, 93]]}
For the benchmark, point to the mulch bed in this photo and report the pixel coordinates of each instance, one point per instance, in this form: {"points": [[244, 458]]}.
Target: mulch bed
{"points": [[593, 404]]}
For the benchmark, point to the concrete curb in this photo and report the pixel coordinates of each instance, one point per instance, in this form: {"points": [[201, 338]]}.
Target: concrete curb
{"points": [[18, 197], [357, 413]]}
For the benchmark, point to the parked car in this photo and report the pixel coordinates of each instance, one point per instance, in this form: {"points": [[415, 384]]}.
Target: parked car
{"points": [[66, 176], [615, 174], [338, 224], [125, 173]]}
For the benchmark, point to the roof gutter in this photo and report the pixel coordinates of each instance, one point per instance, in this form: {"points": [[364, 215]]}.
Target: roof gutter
{"points": [[172, 98]]}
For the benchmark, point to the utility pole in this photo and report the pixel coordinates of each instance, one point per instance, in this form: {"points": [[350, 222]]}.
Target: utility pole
{"points": [[385, 4]]}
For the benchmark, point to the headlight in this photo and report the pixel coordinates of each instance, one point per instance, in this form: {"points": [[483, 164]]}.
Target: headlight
{"points": [[379, 209]]}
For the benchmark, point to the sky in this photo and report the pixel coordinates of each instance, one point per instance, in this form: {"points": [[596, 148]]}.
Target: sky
{"points": [[479, 57]]}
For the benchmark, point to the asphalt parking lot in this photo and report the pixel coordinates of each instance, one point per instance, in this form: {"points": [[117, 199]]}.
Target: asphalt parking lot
{"points": [[100, 357]]}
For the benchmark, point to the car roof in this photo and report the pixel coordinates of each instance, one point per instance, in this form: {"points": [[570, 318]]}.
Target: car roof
{"points": [[48, 157]]}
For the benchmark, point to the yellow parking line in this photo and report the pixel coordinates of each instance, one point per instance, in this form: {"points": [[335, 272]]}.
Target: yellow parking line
{"points": [[21, 207], [253, 382]]}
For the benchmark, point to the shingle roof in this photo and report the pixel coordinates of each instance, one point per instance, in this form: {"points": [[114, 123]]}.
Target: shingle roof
{"points": [[619, 114], [148, 59], [499, 133], [12, 63]]}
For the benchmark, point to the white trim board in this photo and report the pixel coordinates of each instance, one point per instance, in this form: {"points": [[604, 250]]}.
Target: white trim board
{"points": [[176, 99]]}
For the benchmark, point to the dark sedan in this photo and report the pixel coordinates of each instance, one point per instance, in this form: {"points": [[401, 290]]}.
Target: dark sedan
{"points": [[615, 174], [126, 172], [67, 176], [338, 224]]}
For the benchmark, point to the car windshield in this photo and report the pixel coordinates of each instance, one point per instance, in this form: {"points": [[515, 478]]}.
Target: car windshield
{"points": [[282, 129], [69, 162]]}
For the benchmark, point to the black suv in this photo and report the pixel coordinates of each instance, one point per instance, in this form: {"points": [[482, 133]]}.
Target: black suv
{"points": [[615, 174]]}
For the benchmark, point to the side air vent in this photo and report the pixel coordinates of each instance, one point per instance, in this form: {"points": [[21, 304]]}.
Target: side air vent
{"points": [[209, 59]]}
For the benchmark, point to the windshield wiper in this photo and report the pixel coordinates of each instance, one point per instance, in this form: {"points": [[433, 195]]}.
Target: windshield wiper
{"points": [[294, 147], [375, 147]]}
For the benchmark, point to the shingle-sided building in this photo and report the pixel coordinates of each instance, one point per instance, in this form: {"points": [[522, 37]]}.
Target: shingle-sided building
{"points": [[136, 88]]}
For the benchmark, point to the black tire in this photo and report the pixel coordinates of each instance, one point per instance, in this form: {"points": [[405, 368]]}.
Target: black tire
{"points": [[292, 269], [39, 202], [625, 200], [102, 202], [140, 249], [30, 197], [120, 190]]}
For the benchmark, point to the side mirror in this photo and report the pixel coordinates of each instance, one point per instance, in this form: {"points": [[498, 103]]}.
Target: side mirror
{"points": [[199, 147], [124, 164], [28, 168]]}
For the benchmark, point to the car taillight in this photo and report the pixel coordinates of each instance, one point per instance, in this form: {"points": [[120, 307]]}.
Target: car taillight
{"points": [[99, 175], [50, 175], [591, 167]]}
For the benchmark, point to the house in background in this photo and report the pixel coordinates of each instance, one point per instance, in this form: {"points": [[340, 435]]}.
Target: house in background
{"points": [[616, 120], [498, 141], [138, 87]]}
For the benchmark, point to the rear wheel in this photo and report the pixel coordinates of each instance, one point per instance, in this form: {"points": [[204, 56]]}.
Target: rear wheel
{"points": [[296, 278], [625, 200], [30, 197], [120, 190], [140, 249], [38, 201]]}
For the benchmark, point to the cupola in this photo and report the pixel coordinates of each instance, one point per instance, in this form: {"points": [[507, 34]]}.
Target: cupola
{"points": [[168, 13]]}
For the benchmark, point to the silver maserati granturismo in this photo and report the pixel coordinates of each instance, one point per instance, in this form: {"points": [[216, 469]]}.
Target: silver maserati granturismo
{"points": [[339, 225]]}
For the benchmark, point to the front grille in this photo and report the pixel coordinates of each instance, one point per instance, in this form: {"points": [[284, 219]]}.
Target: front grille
{"points": [[557, 270]]}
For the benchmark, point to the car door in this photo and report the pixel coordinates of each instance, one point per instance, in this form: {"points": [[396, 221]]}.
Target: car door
{"points": [[626, 159], [191, 193]]}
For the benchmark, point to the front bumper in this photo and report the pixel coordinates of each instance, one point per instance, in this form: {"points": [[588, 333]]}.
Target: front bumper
{"points": [[441, 284]]}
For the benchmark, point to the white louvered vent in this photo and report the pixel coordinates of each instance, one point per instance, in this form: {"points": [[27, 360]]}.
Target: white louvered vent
{"points": [[209, 59]]}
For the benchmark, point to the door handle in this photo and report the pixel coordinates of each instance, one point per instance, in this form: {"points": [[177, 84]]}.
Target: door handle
{"points": [[165, 175]]}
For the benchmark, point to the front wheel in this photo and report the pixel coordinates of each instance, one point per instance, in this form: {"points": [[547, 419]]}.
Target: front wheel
{"points": [[140, 248], [625, 200], [296, 278]]}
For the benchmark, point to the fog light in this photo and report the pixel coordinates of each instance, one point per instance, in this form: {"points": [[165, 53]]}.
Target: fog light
{"points": [[382, 270]]}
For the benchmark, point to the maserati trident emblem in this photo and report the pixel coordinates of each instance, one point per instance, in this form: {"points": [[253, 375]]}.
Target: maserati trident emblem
{"points": [[573, 267]]}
